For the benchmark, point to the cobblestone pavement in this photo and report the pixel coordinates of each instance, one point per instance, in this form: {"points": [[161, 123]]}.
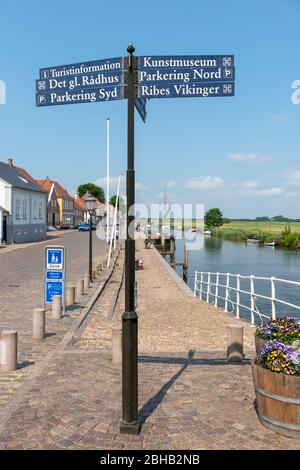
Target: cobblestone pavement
{"points": [[21, 290], [189, 396]]}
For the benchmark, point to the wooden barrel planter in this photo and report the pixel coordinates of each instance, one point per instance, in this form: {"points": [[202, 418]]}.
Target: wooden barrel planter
{"points": [[277, 401]]}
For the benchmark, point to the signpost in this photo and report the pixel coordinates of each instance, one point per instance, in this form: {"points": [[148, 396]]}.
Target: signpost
{"points": [[136, 79], [55, 273]]}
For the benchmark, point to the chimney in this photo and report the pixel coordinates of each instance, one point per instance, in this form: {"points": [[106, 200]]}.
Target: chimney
{"points": [[10, 162]]}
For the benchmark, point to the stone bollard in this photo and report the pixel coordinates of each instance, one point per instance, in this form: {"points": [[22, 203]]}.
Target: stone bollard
{"points": [[86, 282], [235, 343], [94, 274], [80, 288], [70, 295], [38, 323], [56, 307], [9, 350], [117, 345]]}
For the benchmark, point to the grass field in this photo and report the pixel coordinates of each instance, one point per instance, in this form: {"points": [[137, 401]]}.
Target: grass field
{"points": [[285, 235], [275, 228]]}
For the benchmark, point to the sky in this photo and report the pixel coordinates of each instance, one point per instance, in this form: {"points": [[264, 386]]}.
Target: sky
{"points": [[241, 153]]}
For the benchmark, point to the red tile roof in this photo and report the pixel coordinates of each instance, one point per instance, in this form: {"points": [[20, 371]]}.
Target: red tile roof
{"points": [[59, 190], [79, 204]]}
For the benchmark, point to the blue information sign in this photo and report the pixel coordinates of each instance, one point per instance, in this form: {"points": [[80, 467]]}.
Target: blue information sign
{"points": [[82, 68], [185, 61], [140, 105], [90, 95], [80, 81], [53, 288], [186, 75], [179, 90], [54, 259], [54, 275]]}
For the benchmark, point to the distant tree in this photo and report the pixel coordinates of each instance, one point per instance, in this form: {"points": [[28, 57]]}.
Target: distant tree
{"points": [[262, 219], [213, 218], [92, 188], [280, 218], [113, 201], [226, 220]]}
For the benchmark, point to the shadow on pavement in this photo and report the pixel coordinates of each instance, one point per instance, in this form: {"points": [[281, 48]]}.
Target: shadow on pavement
{"points": [[155, 401]]}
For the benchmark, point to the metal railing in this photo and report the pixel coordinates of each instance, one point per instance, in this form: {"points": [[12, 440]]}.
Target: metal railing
{"points": [[210, 286]]}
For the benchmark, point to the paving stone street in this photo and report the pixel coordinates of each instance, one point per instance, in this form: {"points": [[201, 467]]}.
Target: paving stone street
{"points": [[189, 396], [22, 290]]}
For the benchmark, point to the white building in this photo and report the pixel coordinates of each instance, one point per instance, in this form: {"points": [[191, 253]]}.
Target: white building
{"points": [[23, 208]]}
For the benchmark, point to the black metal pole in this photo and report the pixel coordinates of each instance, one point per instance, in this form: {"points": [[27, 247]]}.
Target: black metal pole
{"points": [[129, 422], [91, 251]]}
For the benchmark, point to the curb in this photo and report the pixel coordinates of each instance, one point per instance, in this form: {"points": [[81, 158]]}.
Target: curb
{"points": [[175, 276]]}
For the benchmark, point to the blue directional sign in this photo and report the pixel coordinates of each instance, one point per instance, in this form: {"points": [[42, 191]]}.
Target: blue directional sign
{"points": [[54, 259], [140, 106], [179, 90], [80, 81], [51, 289], [82, 68], [54, 275], [186, 61], [186, 75], [90, 95]]}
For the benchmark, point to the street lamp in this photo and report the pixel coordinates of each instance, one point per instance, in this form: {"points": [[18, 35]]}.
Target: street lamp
{"points": [[90, 203]]}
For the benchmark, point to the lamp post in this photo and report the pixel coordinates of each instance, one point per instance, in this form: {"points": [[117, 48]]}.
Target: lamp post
{"points": [[130, 423], [90, 203]]}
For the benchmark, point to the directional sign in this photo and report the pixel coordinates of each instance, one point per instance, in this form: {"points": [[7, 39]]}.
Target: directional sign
{"points": [[186, 75], [54, 275], [140, 106], [195, 90], [51, 289], [82, 68], [186, 61], [80, 81], [90, 95], [54, 259]]}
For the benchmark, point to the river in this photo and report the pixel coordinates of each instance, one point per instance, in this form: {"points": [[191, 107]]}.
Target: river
{"points": [[225, 256]]}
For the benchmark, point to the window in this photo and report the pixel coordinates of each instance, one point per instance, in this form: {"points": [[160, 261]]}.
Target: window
{"points": [[18, 216], [35, 214], [24, 209], [40, 210]]}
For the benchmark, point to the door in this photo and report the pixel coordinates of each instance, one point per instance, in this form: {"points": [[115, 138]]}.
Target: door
{"points": [[53, 219], [4, 228]]}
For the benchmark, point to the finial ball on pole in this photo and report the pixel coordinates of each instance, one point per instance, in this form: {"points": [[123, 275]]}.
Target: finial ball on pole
{"points": [[130, 49]]}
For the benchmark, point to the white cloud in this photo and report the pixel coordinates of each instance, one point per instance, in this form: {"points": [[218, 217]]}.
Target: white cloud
{"points": [[170, 184], [113, 184], [292, 176], [292, 195], [270, 191], [251, 184], [248, 157], [139, 186], [205, 182]]}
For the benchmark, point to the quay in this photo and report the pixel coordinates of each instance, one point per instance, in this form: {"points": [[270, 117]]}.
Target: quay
{"points": [[190, 397]]}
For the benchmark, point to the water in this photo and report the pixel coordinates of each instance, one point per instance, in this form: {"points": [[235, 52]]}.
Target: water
{"points": [[239, 258]]}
